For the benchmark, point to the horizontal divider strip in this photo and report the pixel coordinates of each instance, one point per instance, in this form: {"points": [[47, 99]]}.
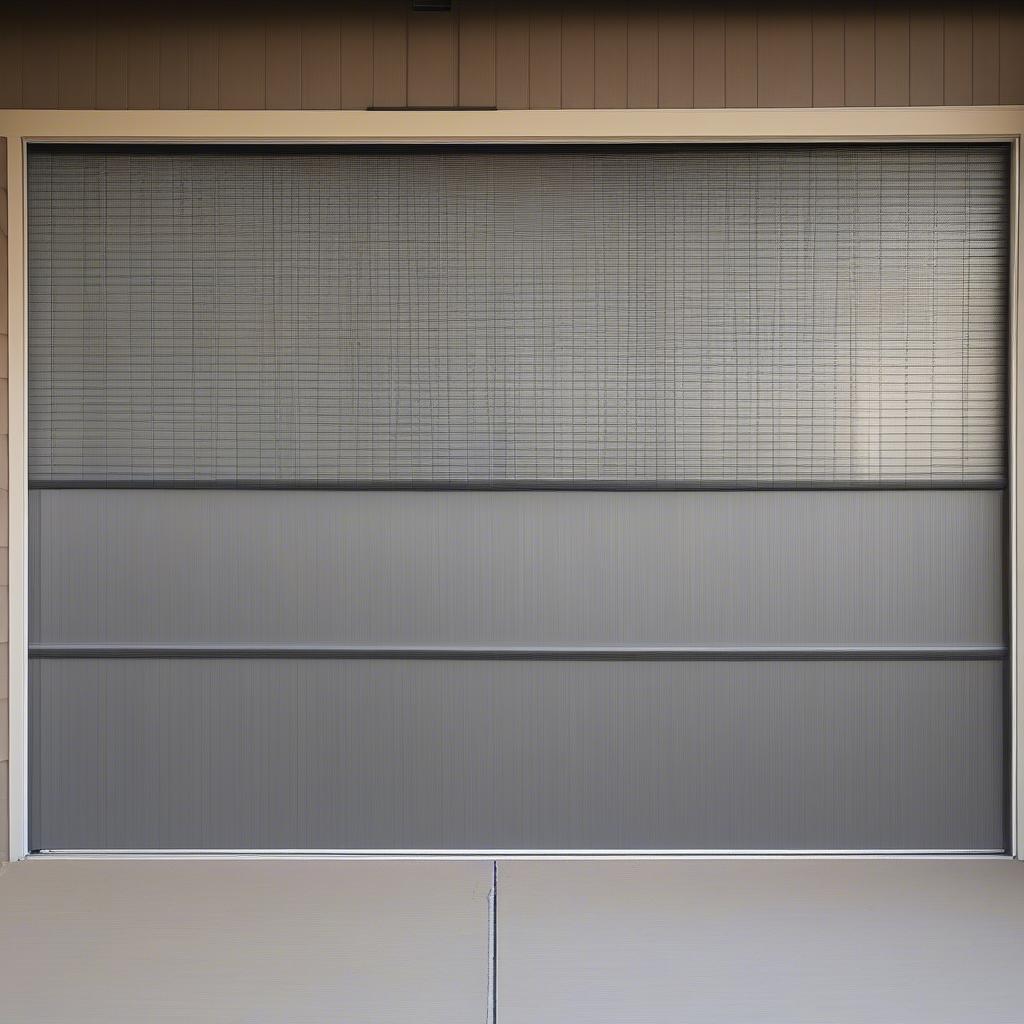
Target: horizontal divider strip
{"points": [[517, 485], [519, 652], [697, 853]]}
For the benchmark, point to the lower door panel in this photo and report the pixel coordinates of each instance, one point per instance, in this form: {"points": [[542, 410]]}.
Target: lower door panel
{"points": [[431, 754]]}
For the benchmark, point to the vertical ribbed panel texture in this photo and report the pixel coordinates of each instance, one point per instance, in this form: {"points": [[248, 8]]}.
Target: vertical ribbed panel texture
{"points": [[521, 568], [690, 316], [540, 755]]}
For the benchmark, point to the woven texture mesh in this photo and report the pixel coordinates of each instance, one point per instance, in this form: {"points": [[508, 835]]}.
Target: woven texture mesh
{"points": [[691, 316]]}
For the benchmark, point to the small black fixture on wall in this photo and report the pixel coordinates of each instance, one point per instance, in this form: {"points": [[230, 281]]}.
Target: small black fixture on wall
{"points": [[431, 7]]}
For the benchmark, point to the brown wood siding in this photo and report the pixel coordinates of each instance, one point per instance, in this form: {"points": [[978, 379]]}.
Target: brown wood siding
{"points": [[642, 57], [173, 65], [611, 59], [488, 52], [433, 60], [357, 59], [927, 58], [578, 55], [143, 65], [476, 53], [319, 57], [511, 59], [675, 58], [828, 59], [284, 64], [708, 57], [389, 50], [785, 60]]}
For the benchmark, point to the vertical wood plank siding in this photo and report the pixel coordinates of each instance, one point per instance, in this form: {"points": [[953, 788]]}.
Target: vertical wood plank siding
{"points": [[675, 58], [927, 58], [476, 53], [545, 59], [389, 51], [642, 59], [709, 57], [319, 58], [284, 63], [511, 59], [357, 59], [892, 56], [828, 59], [488, 52], [741, 58], [785, 60], [143, 66], [578, 55], [611, 59], [433, 45], [173, 64]]}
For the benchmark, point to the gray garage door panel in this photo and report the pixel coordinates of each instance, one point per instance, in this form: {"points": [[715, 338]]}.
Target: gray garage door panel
{"points": [[518, 568], [491, 755]]}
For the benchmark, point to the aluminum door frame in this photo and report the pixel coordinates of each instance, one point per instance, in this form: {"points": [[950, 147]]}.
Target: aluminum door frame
{"points": [[888, 124]]}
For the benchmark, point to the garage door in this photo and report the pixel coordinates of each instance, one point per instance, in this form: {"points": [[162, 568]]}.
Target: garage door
{"points": [[518, 499]]}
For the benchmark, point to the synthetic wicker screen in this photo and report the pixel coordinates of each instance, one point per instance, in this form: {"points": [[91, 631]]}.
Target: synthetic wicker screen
{"points": [[691, 316]]}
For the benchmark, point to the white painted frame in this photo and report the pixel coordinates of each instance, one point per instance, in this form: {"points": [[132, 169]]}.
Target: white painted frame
{"points": [[854, 124]]}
